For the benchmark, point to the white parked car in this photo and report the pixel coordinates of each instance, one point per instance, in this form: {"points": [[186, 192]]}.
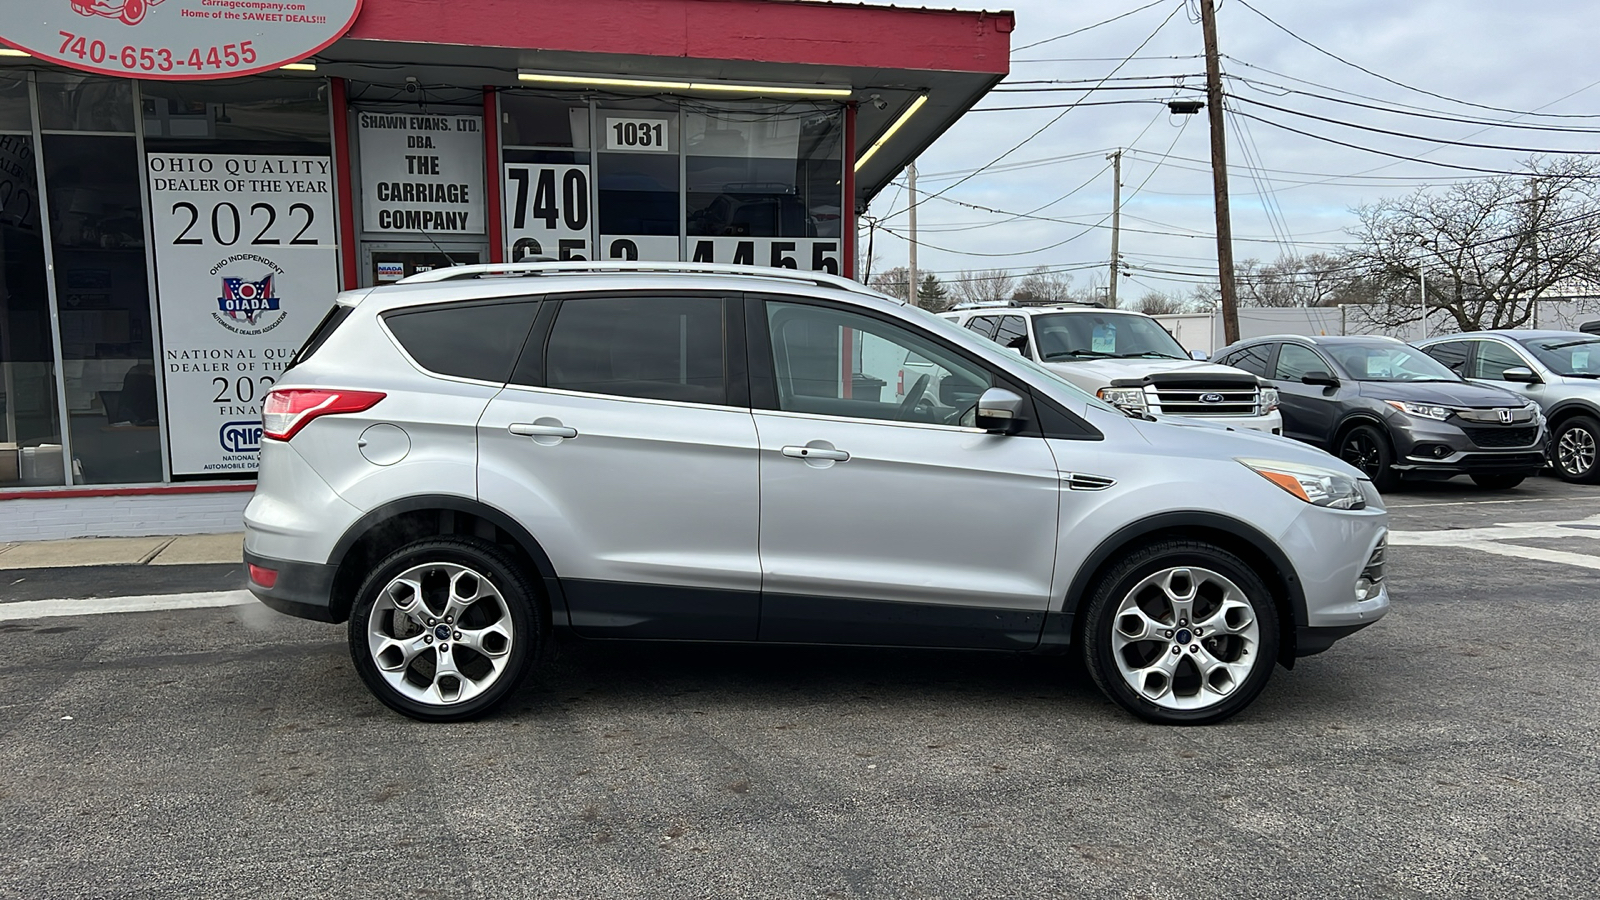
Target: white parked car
{"points": [[1128, 360]]}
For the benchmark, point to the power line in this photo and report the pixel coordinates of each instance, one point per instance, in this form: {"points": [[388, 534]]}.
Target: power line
{"points": [[1413, 111], [1057, 118], [1089, 27], [1400, 156], [1414, 137]]}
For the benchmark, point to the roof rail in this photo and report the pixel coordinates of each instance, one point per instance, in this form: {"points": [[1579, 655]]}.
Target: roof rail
{"points": [[505, 270]]}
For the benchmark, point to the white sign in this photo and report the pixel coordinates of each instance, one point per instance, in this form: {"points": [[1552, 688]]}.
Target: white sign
{"points": [[808, 254], [174, 39], [422, 173], [637, 134], [246, 265], [547, 211]]}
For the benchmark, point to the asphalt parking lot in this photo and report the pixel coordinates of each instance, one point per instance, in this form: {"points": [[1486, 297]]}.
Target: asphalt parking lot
{"points": [[1450, 750]]}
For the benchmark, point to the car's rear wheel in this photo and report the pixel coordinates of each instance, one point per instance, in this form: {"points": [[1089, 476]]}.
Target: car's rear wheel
{"points": [[1573, 450], [1498, 482], [1367, 448], [445, 628], [1181, 633]]}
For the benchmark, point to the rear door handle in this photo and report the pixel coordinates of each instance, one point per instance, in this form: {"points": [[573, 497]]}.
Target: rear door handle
{"points": [[815, 453], [529, 429]]}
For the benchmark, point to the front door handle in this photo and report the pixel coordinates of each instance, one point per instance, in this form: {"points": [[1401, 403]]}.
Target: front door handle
{"points": [[541, 429], [815, 453]]}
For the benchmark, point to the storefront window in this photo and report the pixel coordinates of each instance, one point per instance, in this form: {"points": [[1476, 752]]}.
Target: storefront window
{"points": [[103, 301], [641, 206], [14, 110], [30, 429], [259, 115], [72, 102], [547, 177]]}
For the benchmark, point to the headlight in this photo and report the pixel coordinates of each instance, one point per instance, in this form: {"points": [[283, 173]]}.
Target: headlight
{"points": [[1269, 400], [1124, 398], [1421, 410], [1313, 484]]}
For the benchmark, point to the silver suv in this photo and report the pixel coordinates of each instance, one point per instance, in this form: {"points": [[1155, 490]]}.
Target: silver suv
{"points": [[461, 461], [1559, 370], [1129, 360]]}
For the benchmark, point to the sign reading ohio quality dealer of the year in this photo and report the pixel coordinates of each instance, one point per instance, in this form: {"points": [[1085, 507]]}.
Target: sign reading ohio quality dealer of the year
{"points": [[246, 265], [422, 173], [174, 39]]}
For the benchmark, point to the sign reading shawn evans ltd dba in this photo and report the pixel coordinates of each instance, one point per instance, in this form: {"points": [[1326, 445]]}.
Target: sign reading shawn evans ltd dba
{"points": [[174, 39], [246, 266], [421, 173]]}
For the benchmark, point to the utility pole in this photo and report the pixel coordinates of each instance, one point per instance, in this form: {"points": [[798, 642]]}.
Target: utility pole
{"points": [[911, 269], [1116, 220], [1219, 173]]}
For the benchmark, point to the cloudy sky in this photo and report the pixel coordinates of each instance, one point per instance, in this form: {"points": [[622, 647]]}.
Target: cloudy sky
{"points": [[1465, 66]]}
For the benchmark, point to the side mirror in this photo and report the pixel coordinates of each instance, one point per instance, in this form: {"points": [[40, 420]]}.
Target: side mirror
{"points": [[1521, 375], [999, 411], [1199, 355], [1319, 378]]}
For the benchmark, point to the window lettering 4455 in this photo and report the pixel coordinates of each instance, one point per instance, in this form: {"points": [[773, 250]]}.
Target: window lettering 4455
{"points": [[422, 174]]}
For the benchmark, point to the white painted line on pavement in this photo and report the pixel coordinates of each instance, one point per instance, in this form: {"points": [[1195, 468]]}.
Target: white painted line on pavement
{"points": [[49, 609], [1583, 560], [1472, 502]]}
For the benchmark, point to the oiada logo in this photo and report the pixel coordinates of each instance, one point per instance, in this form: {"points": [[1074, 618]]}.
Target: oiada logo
{"points": [[240, 437], [131, 12], [248, 307]]}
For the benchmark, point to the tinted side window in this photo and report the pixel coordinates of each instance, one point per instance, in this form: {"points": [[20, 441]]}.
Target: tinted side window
{"points": [[1453, 354], [319, 335], [480, 341], [1295, 360], [1011, 328], [984, 325], [656, 348], [1251, 359], [1493, 360]]}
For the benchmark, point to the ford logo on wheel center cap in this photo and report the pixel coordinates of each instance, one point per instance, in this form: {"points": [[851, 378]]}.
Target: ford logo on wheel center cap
{"points": [[1212, 397], [442, 632]]}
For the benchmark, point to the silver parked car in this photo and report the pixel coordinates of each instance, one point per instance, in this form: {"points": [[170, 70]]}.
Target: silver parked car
{"points": [[1559, 370], [458, 463]]}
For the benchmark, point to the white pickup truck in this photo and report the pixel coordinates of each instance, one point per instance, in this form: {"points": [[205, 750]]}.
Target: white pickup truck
{"points": [[1128, 360]]}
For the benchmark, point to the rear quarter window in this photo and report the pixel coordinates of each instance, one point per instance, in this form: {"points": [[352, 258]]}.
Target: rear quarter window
{"points": [[480, 341]]}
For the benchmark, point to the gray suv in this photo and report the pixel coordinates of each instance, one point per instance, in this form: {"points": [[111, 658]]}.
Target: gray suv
{"points": [[458, 463], [1559, 370]]}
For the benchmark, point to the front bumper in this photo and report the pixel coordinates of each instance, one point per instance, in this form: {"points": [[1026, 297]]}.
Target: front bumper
{"points": [[1330, 550], [1427, 448], [302, 589]]}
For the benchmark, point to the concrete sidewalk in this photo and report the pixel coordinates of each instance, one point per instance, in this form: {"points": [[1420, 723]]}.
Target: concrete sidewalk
{"points": [[183, 550]]}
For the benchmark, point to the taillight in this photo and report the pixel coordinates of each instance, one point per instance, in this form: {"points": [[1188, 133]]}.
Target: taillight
{"points": [[291, 409], [264, 577]]}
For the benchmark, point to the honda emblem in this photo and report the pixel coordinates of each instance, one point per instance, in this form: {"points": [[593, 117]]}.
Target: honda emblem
{"points": [[1505, 416]]}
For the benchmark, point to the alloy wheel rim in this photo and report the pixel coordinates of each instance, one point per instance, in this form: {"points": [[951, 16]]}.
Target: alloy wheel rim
{"points": [[1576, 451], [1185, 638], [1362, 452], [440, 634]]}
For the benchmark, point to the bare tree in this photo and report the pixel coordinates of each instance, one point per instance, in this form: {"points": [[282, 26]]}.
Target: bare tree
{"points": [[1489, 248], [1155, 303], [1044, 286], [988, 285], [893, 282], [1313, 280]]}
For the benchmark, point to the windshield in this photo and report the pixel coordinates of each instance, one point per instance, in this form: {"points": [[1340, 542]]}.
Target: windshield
{"points": [[1108, 335], [1571, 356], [1387, 361]]}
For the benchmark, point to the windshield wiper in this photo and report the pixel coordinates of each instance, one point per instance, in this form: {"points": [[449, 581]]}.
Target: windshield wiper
{"points": [[1096, 354], [1146, 354]]}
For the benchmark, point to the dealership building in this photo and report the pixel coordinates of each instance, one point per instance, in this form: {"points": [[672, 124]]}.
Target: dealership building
{"points": [[185, 184]]}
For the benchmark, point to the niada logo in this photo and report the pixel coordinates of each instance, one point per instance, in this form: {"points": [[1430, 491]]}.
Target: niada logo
{"points": [[131, 12], [248, 306], [240, 437]]}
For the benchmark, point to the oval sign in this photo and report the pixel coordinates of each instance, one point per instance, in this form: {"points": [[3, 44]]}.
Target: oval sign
{"points": [[174, 39]]}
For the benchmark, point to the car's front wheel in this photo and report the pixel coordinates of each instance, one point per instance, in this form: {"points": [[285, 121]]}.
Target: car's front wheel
{"points": [[1181, 633], [445, 628], [1367, 448], [1573, 450]]}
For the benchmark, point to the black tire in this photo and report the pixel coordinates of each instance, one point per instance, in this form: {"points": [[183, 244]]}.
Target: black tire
{"points": [[1368, 449], [509, 599], [1573, 450], [1101, 620], [1498, 482]]}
